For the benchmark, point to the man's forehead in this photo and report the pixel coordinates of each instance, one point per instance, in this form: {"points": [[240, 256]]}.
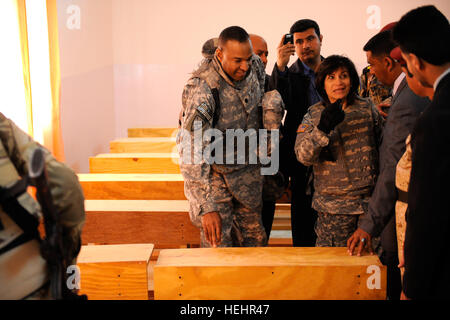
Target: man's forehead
{"points": [[258, 43], [371, 57], [305, 34], [238, 49]]}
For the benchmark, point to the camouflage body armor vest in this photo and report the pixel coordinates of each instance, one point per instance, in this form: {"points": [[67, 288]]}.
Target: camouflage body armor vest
{"points": [[353, 144], [22, 268], [239, 104]]}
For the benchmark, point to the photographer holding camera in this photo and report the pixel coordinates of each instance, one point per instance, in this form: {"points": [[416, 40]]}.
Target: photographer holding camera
{"points": [[296, 86]]}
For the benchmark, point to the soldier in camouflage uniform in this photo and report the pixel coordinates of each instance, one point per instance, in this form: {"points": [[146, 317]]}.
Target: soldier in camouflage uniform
{"points": [[225, 199], [342, 146], [372, 88], [273, 185], [23, 271]]}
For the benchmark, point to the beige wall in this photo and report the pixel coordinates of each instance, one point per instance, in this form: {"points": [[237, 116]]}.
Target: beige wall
{"points": [[128, 62]]}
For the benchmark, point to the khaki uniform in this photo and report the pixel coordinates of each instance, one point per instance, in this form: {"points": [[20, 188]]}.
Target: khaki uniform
{"points": [[402, 177], [22, 268], [342, 187], [232, 190], [372, 88]]}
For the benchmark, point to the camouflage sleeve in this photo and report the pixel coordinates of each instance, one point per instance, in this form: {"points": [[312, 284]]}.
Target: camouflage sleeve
{"points": [[310, 140], [273, 110], [64, 186], [362, 91], [198, 106], [260, 71]]}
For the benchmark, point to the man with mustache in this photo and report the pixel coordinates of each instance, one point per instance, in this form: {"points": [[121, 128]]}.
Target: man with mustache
{"points": [[296, 86]]}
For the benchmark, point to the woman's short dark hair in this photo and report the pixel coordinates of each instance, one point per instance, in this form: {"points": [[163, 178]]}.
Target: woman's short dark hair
{"points": [[331, 64]]}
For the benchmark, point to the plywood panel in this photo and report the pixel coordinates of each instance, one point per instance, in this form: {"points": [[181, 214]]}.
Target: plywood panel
{"points": [[132, 186], [115, 272], [134, 163], [139, 145], [129, 186], [268, 273], [152, 132], [164, 223]]}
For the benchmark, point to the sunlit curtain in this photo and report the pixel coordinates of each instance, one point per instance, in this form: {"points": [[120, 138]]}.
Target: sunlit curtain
{"points": [[55, 79], [39, 47], [23, 36]]}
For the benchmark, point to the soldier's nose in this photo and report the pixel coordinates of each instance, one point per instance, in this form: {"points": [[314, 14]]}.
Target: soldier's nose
{"points": [[244, 66]]}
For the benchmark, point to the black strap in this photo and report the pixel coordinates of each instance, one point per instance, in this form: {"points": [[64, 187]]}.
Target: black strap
{"points": [[13, 192], [215, 93], [8, 197], [402, 196], [23, 238]]}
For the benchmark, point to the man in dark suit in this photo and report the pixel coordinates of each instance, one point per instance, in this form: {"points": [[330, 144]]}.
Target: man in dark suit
{"points": [[423, 35], [404, 111], [297, 88]]}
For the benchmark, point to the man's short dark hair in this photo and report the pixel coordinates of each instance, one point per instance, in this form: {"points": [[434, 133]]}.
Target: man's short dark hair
{"points": [[425, 32], [233, 33], [331, 64], [381, 44], [303, 25]]}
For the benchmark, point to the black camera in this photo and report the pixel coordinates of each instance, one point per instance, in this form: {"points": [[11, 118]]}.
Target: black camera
{"points": [[288, 38]]}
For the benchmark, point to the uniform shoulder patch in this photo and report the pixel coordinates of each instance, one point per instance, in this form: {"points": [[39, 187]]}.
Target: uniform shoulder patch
{"points": [[302, 128], [205, 111]]}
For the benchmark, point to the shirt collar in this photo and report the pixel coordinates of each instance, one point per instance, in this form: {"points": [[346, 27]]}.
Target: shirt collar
{"points": [[397, 83], [436, 83], [307, 70]]}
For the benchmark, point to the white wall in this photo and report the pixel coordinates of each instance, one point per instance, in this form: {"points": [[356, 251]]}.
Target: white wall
{"points": [[127, 64], [87, 75]]}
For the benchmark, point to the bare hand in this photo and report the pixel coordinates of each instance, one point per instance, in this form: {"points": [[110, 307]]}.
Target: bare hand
{"points": [[403, 296], [212, 227], [284, 51], [380, 110], [360, 238]]}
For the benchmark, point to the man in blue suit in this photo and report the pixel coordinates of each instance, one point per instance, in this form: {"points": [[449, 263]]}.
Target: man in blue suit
{"points": [[404, 111]]}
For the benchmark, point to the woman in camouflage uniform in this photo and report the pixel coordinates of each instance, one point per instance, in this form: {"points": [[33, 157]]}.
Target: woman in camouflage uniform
{"points": [[339, 137]]}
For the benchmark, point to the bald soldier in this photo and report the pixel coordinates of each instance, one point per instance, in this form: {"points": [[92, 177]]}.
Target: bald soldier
{"points": [[260, 49], [224, 94], [274, 185]]}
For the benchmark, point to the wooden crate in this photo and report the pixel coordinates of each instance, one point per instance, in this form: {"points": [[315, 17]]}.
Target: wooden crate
{"points": [[267, 274], [138, 186], [282, 217], [163, 223], [152, 132], [134, 163], [143, 145], [115, 272], [122, 186]]}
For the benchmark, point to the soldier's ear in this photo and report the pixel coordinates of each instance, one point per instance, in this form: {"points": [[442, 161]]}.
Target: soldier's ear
{"points": [[390, 63], [219, 53]]}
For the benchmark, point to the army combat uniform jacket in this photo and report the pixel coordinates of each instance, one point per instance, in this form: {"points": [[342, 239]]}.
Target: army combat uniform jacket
{"points": [[345, 185], [211, 186], [22, 268]]}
